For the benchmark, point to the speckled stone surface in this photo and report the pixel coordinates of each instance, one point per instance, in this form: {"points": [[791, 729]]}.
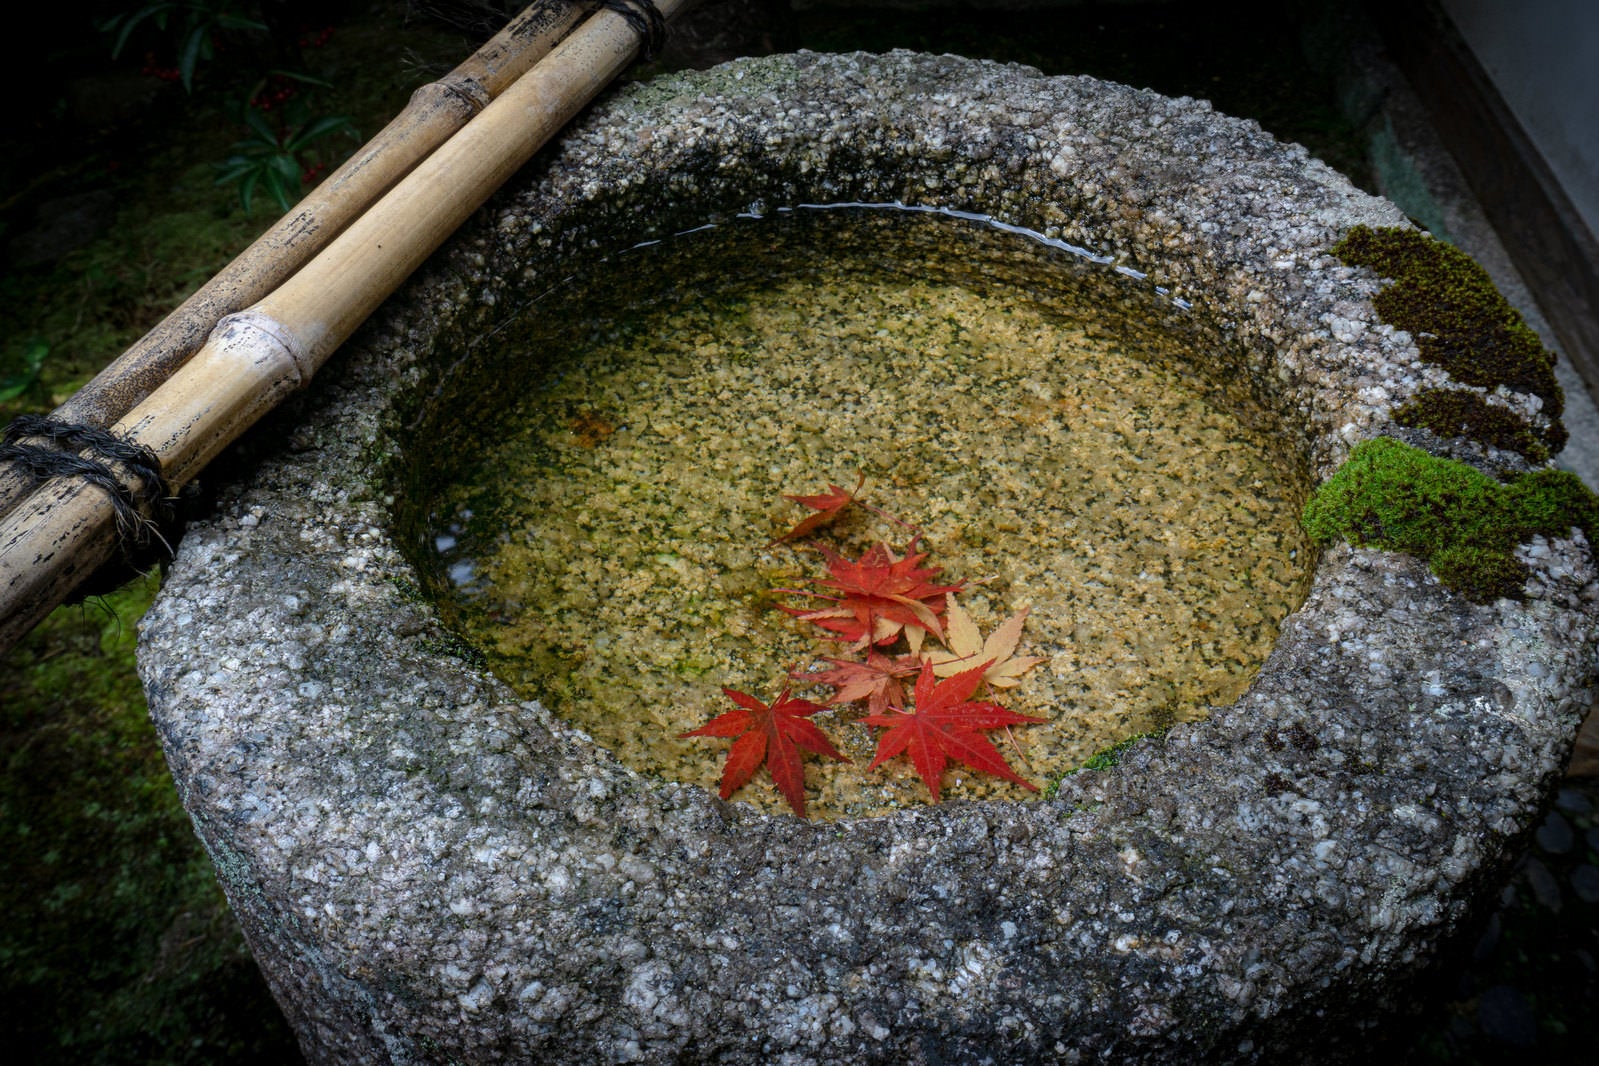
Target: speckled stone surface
{"points": [[430, 871]]}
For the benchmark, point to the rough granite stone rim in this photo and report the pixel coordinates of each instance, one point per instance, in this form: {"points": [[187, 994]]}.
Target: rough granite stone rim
{"points": [[429, 870]]}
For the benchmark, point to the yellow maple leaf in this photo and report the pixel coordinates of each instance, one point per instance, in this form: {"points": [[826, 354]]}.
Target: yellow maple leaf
{"points": [[967, 648]]}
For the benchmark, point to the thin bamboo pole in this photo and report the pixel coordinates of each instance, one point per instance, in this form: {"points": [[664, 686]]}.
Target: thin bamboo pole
{"points": [[63, 531], [435, 112]]}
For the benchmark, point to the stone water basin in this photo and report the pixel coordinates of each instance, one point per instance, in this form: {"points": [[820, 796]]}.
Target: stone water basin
{"points": [[431, 866]]}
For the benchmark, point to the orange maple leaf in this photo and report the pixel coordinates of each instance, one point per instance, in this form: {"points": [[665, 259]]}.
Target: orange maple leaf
{"points": [[877, 680]]}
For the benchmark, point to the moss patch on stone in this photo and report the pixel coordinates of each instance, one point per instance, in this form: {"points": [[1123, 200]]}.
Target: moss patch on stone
{"points": [[1460, 321], [1105, 759], [1455, 413], [1462, 522]]}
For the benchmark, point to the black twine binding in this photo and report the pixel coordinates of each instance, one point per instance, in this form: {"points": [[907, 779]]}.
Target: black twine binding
{"points": [[645, 19], [140, 512]]}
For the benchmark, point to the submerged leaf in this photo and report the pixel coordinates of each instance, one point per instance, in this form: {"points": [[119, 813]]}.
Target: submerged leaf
{"points": [[877, 597], [946, 723], [877, 680], [828, 506], [771, 734], [967, 648]]}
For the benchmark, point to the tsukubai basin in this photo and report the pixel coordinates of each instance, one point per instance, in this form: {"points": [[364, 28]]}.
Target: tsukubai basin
{"points": [[432, 868]]}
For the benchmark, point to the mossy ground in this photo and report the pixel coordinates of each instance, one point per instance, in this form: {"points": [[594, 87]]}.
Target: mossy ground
{"points": [[166, 226], [117, 946]]}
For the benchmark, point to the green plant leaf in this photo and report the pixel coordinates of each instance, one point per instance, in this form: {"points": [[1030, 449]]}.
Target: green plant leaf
{"points": [[285, 167], [234, 168], [229, 21], [195, 47], [270, 160], [252, 178], [303, 78], [124, 25], [319, 129], [283, 181], [14, 385], [262, 128]]}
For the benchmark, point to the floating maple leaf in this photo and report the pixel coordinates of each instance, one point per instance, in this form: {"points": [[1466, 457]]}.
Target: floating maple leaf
{"points": [[828, 506], [947, 724], [771, 734], [877, 680], [967, 648], [878, 597]]}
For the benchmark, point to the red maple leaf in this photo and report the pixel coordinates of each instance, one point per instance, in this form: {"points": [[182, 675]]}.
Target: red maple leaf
{"points": [[946, 724], [828, 506], [878, 597], [877, 680], [770, 734]]}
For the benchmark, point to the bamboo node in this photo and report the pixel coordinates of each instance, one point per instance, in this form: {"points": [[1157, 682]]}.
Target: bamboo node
{"points": [[468, 90], [274, 333]]}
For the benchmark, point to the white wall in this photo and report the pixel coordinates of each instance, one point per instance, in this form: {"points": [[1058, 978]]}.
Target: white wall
{"points": [[1543, 56]]}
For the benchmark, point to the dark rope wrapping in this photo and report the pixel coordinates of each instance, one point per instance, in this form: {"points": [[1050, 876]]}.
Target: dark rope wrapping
{"points": [[140, 511], [645, 19]]}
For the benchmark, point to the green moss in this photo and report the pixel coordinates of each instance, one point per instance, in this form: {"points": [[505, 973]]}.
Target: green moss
{"points": [[408, 590], [1463, 522], [1443, 298], [453, 646], [1482, 573], [1453, 413], [1104, 759], [1112, 756]]}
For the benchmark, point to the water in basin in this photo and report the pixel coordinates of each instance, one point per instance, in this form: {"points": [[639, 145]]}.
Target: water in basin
{"points": [[1046, 424]]}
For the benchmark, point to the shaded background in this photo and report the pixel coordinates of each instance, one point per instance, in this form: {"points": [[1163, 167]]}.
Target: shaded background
{"points": [[115, 943]]}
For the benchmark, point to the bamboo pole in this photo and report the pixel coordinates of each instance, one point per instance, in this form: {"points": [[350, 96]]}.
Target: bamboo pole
{"points": [[255, 358], [435, 112]]}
